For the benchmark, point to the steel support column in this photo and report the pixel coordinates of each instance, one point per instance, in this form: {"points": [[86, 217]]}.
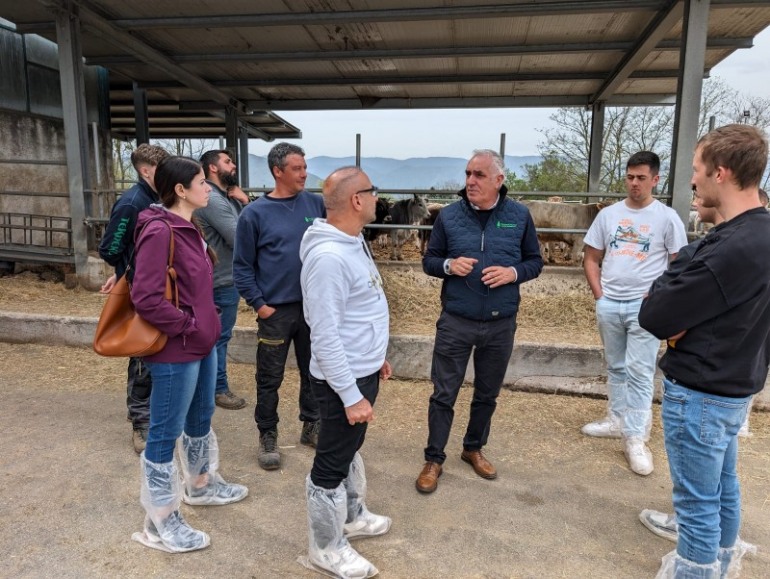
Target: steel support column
{"points": [[595, 146], [231, 132], [243, 158], [75, 130], [688, 96], [141, 117]]}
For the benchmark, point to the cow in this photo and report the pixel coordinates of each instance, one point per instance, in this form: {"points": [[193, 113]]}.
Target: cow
{"points": [[564, 216], [433, 209], [405, 212], [382, 215]]}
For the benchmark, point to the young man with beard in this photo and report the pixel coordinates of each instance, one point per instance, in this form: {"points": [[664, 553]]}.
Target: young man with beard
{"points": [[218, 221], [628, 245], [266, 271]]}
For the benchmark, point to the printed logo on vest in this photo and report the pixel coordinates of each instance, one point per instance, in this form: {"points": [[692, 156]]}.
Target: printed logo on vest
{"points": [[503, 225], [309, 219]]}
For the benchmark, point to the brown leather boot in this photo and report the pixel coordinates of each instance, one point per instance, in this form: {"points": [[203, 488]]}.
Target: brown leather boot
{"points": [[480, 465], [428, 479]]}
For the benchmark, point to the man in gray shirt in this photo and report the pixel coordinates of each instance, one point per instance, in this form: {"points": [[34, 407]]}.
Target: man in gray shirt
{"points": [[218, 220]]}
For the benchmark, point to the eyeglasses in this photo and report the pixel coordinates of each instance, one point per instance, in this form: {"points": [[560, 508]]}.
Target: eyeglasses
{"points": [[373, 190]]}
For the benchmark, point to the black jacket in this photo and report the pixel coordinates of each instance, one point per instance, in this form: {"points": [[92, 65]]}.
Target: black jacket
{"points": [[722, 300]]}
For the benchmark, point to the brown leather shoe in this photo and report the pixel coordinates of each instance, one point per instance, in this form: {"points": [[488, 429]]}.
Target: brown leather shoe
{"points": [[480, 465], [428, 479]]}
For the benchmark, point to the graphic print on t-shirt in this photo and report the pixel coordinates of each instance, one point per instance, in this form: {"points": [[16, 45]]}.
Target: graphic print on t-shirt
{"points": [[631, 241]]}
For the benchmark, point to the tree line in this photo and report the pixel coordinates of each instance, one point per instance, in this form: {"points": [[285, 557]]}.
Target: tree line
{"points": [[565, 147]]}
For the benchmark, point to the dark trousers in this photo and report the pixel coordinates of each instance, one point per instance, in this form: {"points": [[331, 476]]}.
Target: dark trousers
{"points": [[274, 335], [492, 344], [138, 390], [338, 441]]}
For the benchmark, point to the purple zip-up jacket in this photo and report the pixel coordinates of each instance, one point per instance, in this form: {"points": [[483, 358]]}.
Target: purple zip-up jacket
{"points": [[194, 328]]}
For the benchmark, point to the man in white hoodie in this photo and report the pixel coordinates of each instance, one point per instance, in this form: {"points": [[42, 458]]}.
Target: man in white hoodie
{"points": [[347, 312]]}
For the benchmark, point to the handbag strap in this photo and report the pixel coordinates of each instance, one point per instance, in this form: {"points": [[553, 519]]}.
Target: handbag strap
{"points": [[172, 289]]}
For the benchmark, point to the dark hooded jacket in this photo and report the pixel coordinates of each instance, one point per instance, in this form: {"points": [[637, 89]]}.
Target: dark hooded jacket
{"points": [[194, 328]]}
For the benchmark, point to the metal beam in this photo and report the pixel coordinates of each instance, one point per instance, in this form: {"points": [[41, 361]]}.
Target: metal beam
{"points": [[108, 32], [231, 132], [454, 102], [243, 158], [524, 9], [540, 8], [75, 131], [141, 120], [688, 97], [663, 21], [595, 146], [422, 79], [422, 53]]}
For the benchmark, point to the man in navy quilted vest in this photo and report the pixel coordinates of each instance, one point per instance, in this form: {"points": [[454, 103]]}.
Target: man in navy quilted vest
{"points": [[483, 247]]}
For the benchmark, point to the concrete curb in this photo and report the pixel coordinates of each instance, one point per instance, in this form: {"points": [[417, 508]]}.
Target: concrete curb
{"points": [[551, 368]]}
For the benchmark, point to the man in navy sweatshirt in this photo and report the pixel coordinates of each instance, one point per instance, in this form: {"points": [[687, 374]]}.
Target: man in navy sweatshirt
{"points": [[266, 272]]}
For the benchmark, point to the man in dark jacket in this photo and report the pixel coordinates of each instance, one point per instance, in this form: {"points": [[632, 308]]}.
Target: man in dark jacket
{"points": [[483, 247], [715, 316], [116, 248], [218, 220]]}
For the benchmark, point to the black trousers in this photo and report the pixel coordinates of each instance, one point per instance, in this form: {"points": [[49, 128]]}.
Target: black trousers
{"points": [[138, 390], [274, 335], [338, 441], [491, 344]]}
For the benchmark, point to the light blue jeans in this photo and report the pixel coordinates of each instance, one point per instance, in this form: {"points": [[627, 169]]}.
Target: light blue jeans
{"points": [[182, 398], [226, 299], [630, 352], [700, 432]]}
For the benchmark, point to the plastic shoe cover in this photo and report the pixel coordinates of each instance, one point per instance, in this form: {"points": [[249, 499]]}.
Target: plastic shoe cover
{"points": [[200, 462], [607, 427], [730, 558], [638, 455], [360, 522], [329, 551], [744, 431], [662, 524], [150, 537], [675, 567], [160, 497]]}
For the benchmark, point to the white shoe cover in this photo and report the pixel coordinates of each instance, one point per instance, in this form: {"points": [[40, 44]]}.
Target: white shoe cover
{"points": [[675, 567], [607, 427], [165, 528], [329, 551], [200, 456], [730, 559], [359, 521]]}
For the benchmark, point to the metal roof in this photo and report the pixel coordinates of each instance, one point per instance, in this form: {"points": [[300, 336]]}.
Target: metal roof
{"points": [[196, 58]]}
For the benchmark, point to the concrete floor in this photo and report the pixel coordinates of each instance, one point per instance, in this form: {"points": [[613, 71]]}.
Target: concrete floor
{"points": [[562, 506]]}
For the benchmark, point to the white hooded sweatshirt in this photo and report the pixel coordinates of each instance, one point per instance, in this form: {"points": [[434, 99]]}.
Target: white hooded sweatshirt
{"points": [[345, 308]]}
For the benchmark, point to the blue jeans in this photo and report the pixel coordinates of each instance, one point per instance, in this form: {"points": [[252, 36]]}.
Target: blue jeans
{"points": [[182, 398], [700, 432], [226, 299], [630, 352]]}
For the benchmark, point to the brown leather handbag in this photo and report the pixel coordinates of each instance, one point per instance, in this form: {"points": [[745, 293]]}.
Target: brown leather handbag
{"points": [[121, 331]]}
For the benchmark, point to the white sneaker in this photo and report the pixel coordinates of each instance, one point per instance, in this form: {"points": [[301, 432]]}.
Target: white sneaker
{"points": [[662, 524], [343, 562], [367, 525], [607, 427], [638, 455]]}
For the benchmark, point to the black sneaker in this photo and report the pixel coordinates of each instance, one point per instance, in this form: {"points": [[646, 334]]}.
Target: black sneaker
{"points": [[310, 430], [268, 457]]}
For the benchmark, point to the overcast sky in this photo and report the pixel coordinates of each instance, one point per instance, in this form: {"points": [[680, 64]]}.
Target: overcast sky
{"points": [[401, 134]]}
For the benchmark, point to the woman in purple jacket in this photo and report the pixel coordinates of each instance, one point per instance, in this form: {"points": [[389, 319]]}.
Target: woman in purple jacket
{"points": [[184, 371]]}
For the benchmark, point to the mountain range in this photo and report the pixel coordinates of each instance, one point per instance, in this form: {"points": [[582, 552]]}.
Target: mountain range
{"points": [[387, 173]]}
